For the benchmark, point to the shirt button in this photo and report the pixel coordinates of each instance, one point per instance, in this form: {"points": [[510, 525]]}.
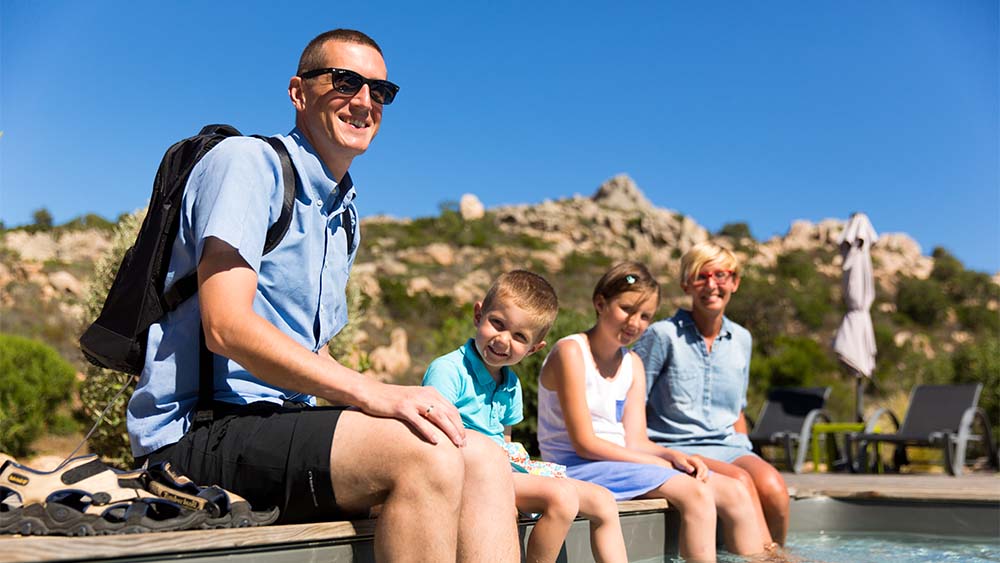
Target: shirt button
{"points": [[319, 203]]}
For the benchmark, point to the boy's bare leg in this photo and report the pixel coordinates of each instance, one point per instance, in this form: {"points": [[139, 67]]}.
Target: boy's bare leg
{"points": [[556, 500], [488, 524], [380, 460], [598, 505]]}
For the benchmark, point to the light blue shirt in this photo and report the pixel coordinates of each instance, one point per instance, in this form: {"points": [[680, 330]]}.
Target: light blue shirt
{"points": [[234, 194], [486, 407], [693, 396]]}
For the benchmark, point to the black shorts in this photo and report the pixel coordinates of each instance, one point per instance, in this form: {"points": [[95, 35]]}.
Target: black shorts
{"points": [[269, 454]]}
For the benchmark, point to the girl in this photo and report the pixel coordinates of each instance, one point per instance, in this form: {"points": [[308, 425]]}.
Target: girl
{"points": [[592, 419]]}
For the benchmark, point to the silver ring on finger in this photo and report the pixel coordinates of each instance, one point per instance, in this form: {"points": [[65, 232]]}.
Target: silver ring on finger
{"points": [[430, 409]]}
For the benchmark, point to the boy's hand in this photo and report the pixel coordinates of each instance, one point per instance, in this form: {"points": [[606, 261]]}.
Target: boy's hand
{"points": [[423, 408]]}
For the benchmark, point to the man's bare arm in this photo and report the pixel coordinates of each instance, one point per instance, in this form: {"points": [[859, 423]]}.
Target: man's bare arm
{"points": [[227, 286]]}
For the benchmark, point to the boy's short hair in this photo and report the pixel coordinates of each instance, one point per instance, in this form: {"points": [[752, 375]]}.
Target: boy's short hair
{"points": [[530, 292], [703, 253]]}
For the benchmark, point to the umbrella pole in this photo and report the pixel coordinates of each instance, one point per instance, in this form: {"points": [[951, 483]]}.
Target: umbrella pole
{"points": [[859, 411]]}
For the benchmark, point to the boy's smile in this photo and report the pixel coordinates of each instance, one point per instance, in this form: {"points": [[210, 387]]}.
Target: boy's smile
{"points": [[505, 335]]}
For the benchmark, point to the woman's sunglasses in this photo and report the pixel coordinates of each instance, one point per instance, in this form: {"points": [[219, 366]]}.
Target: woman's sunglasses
{"points": [[349, 82]]}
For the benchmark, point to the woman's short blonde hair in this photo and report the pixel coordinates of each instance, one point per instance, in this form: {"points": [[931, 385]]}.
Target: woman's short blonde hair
{"points": [[703, 253]]}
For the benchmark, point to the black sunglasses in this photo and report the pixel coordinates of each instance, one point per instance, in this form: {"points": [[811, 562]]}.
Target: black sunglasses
{"points": [[349, 82]]}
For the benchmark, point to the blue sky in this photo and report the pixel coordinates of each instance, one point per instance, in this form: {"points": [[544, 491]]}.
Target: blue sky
{"points": [[763, 112]]}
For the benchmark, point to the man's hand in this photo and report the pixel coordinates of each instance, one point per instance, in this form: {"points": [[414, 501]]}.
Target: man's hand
{"points": [[423, 408]]}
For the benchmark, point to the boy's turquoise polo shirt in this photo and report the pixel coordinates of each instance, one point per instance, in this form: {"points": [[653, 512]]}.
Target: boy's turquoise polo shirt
{"points": [[462, 378]]}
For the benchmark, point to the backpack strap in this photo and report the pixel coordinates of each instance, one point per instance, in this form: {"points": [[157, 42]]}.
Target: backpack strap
{"points": [[206, 370], [184, 288]]}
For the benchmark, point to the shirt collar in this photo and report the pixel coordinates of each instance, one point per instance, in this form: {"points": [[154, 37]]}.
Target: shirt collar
{"points": [[321, 185], [482, 374], [684, 319]]}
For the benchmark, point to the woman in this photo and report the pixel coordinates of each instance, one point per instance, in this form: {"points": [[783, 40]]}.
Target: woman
{"points": [[592, 418], [697, 371]]}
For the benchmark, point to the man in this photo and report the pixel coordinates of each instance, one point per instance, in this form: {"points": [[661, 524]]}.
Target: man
{"points": [[268, 319]]}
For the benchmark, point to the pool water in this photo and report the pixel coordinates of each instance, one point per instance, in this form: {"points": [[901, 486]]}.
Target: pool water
{"points": [[858, 547]]}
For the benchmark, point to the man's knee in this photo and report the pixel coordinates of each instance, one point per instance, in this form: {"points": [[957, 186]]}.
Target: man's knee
{"points": [[484, 459], [400, 461]]}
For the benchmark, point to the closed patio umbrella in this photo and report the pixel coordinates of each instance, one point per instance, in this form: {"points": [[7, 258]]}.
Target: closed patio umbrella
{"points": [[855, 339]]}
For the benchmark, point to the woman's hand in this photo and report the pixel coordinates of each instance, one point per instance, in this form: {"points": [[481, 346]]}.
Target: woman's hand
{"points": [[689, 464]]}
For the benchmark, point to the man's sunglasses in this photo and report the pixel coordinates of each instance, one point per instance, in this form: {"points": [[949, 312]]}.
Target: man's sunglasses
{"points": [[349, 82]]}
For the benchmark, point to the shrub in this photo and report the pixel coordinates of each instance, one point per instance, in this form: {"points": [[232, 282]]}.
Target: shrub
{"points": [[735, 231], [36, 384], [760, 309], [979, 362], [793, 361], [110, 439], [343, 346], [923, 301], [946, 266], [978, 318]]}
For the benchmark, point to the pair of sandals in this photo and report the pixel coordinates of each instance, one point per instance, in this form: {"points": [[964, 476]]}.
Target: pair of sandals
{"points": [[85, 497]]}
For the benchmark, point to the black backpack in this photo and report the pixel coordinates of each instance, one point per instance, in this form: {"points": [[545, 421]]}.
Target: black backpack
{"points": [[136, 300]]}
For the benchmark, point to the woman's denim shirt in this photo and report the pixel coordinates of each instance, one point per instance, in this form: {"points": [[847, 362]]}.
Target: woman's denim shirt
{"points": [[693, 396]]}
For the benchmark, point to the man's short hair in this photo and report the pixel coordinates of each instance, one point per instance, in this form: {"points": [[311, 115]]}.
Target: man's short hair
{"points": [[703, 253], [529, 291], [312, 56]]}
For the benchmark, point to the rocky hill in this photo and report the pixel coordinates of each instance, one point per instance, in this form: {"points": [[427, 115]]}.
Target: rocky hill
{"points": [[415, 281], [413, 276]]}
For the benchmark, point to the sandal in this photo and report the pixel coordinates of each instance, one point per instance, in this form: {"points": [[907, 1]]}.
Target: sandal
{"points": [[84, 497], [226, 509]]}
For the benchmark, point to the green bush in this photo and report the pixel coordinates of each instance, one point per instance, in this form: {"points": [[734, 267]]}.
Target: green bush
{"points": [[761, 309], [451, 228], [923, 301], [978, 318], [110, 439], [979, 362], [806, 288], [735, 231], [793, 361], [35, 386]]}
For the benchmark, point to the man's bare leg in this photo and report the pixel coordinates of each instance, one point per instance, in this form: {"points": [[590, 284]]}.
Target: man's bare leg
{"points": [[380, 460], [488, 525]]}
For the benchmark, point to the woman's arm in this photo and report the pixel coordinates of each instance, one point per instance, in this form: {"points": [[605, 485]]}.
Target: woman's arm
{"points": [[634, 420], [741, 424], [563, 373]]}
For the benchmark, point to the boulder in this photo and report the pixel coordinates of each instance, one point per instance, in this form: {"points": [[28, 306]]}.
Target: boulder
{"points": [[393, 359], [471, 208], [64, 283], [621, 192]]}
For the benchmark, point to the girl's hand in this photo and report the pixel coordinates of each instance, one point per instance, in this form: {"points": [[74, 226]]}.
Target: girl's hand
{"points": [[689, 464]]}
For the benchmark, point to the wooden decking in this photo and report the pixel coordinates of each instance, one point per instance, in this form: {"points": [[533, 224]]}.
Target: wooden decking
{"points": [[984, 487], [351, 541]]}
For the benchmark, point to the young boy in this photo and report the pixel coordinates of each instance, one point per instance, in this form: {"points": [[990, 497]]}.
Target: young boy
{"points": [[511, 323]]}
